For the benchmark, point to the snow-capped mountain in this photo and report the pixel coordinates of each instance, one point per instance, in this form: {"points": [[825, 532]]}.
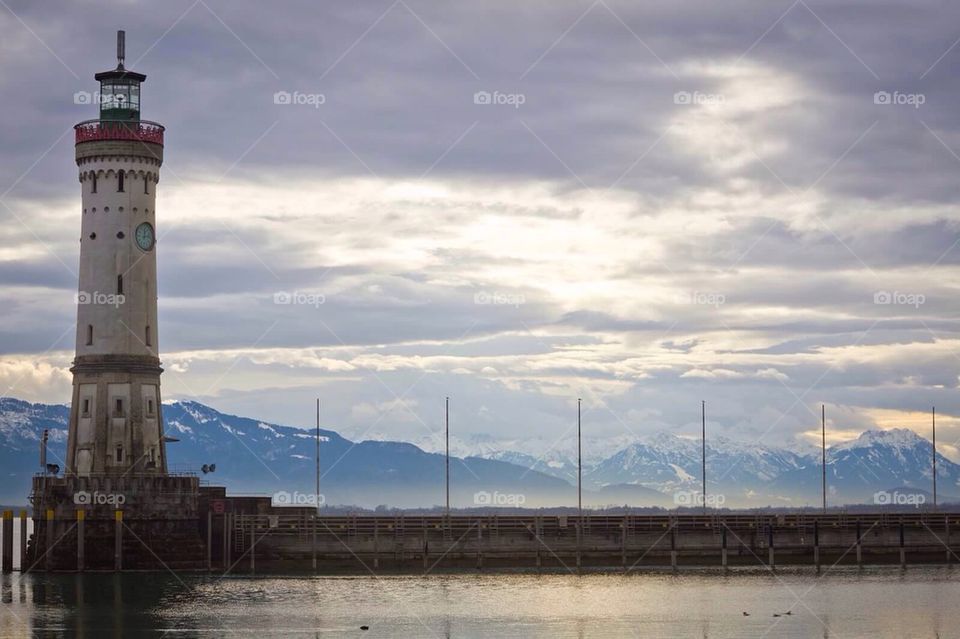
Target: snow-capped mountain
{"points": [[257, 457], [878, 460], [670, 463]]}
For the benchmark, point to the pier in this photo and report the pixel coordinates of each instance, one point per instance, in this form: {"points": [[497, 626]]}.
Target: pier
{"points": [[401, 543]]}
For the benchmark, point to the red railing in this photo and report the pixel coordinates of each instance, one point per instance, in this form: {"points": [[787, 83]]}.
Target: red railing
{"points": [[96, 130]]}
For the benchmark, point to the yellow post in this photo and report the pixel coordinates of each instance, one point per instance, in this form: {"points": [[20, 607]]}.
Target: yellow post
{"points": [[6, 556], [80, 518]]}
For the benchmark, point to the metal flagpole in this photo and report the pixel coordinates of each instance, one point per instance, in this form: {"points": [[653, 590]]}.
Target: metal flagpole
{"points": [[447, 420], [823, 452], [579, 488], [933, 416], [316, 494], [703, 450], [579, 468]]}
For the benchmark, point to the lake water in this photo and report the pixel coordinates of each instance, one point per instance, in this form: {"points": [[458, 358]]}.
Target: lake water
{"points": [[918, 602]]}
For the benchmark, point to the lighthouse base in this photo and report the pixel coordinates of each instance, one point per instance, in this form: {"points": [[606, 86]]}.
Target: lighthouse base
{"points": [[116, 522]]}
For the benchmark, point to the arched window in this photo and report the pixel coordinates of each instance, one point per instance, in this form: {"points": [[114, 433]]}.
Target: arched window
{"points": [[120, 182], [148, 337], [146, 184], [93, 185], [89, 334], [119, 284]]}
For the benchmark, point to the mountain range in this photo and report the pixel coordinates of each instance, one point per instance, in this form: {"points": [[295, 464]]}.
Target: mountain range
{"points": [[255, 457]]}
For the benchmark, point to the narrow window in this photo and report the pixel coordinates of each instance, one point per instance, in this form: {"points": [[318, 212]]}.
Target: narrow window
{"points": [[119, 284], [150, 407], [146, 185], [93, 186], [86, 407], [119, 407], [120, 182], [148, 337], [89, 334], [119, 454]]}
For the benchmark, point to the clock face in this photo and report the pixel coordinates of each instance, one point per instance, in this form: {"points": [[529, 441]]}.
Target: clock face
{"points": [[145, 237]]}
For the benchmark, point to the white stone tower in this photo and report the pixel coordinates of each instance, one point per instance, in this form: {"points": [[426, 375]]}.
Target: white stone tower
{"points": [[115, 415]]}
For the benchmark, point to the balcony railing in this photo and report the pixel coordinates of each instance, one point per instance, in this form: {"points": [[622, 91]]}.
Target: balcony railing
{"points": [[98, 130]]}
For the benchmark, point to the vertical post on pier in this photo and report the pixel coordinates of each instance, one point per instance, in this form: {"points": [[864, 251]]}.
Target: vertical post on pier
{"points": [[426, 547], [816, 544], [228, 532], [23, 541], [223, 543], [723, 546], [6, 562], [538, 531], [859, 545], [673, 548], [376, 543], [313, 540], [253, 544], [903, 550], [118, 540], [47, 560], [80, 522], [946, 525], [579, 535], [209, 540], [479, 545], [623, 543], [770, 534]]}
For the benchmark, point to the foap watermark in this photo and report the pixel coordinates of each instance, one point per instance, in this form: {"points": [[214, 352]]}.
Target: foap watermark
{"points": [[916, 100], [296, 498], [703, 298], [118, 100], [497, 98], [898, 298], [698, 98], [96, 498], [687, 498], [496, 498], [494, 298], [299, 98], [299, 298], [99, 299], [896, 498]]}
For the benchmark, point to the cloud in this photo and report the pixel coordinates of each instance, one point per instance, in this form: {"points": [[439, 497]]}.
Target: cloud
{"points": [[604, 239]]}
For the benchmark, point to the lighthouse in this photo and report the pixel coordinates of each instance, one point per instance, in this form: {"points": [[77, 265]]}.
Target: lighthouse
{"points": [[117, 504], [115, 414]]}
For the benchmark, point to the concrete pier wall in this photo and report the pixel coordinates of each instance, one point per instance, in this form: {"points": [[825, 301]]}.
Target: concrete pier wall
{"points": [[286, 542]]}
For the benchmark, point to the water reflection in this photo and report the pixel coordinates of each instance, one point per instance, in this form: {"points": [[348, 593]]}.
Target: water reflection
{"points": [[881, 603], [90, 605]]}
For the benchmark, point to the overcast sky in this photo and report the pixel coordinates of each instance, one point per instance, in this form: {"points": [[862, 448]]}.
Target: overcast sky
{"points": [[645, 205]]}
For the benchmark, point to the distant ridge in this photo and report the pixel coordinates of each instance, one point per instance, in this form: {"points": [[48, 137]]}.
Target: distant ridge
{"points": [[256, 457]]}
